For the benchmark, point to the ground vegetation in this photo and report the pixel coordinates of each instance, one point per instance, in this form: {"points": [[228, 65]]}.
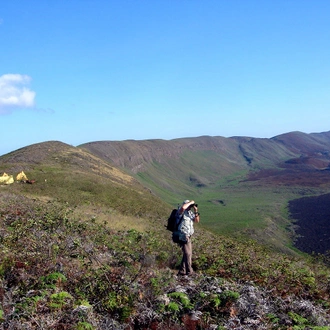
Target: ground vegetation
{"points": [[59, 272]]}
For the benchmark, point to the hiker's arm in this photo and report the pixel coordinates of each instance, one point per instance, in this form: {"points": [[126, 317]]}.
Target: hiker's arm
{"points": [[196, 214], [185, 206]]}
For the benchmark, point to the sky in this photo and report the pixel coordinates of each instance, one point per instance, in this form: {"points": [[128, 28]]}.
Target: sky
{"points": [[80, 71]]}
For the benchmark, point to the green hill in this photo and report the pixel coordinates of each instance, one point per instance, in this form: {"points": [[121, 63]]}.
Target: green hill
{"points": [[84, 246], [69, 174], [243, 185]]}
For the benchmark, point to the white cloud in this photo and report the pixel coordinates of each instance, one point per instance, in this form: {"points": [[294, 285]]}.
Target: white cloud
{"points": [[14, 93]]}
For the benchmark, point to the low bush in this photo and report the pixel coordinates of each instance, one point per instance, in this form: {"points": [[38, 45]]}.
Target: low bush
{"points": [[58, 272]]}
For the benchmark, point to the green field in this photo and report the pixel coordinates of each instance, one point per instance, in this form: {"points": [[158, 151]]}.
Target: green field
{"points": [[234, 207]]}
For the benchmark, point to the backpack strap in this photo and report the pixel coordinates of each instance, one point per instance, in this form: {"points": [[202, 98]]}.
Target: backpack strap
{"points": [[179, 218]]}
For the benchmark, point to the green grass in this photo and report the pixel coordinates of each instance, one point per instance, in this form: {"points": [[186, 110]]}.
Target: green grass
{"points": [[245, 209], [235, 207], [229, 205], [85, 188]]}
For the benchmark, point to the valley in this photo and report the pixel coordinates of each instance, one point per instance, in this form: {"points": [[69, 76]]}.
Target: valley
{"points": [[85, 244], [256, 178]]}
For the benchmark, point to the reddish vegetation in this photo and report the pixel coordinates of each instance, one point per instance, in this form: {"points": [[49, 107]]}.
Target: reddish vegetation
{"points": [[292, 176], [313, 220], [312, 214]]}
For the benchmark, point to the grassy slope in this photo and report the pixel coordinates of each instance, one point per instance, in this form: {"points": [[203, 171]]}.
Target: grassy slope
{"points": [[123, 273], [71, 175], [216, 180], [210, 171], [229, 204]]}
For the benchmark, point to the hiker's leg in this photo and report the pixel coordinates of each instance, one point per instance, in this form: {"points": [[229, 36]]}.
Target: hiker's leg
{"points": [[182, 269], [186, 263], [188, 253]]}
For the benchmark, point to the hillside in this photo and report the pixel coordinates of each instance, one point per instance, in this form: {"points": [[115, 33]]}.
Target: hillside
{"points": [[243, 184], [231, 154], [84, 246], [69, 174], [243, 151]]}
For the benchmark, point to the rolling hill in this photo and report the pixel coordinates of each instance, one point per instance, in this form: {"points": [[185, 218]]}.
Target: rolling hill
{"points": [[69, 174], [243, 184], [84, 246]]}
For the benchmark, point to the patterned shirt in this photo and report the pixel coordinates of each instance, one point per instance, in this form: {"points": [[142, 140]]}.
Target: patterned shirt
{"points": [[187, 224]]}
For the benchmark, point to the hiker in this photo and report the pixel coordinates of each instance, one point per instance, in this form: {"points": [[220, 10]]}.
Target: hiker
{"points": [[188, 214]]}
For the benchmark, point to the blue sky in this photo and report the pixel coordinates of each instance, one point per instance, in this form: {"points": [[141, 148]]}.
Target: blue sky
{"points": [[88, 70]]}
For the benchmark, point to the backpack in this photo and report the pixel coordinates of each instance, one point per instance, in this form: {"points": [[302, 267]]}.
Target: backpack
{"points": [[173, 226]]}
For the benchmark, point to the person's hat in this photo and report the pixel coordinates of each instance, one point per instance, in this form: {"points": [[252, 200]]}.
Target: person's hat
{"points": [[186, 201]]}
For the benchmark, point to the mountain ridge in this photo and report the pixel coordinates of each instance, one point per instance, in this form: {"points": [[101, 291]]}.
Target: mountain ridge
{"points": [[295, 149], [284, 146], [243, 184], [124, 153]]}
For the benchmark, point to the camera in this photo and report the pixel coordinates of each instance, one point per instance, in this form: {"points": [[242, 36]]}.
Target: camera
{"points": [[192, 205]]}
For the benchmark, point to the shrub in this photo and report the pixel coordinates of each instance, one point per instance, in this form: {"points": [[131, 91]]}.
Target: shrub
{"points": [[51, 280], [59, 300], [182, 299], [84, 326]]}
